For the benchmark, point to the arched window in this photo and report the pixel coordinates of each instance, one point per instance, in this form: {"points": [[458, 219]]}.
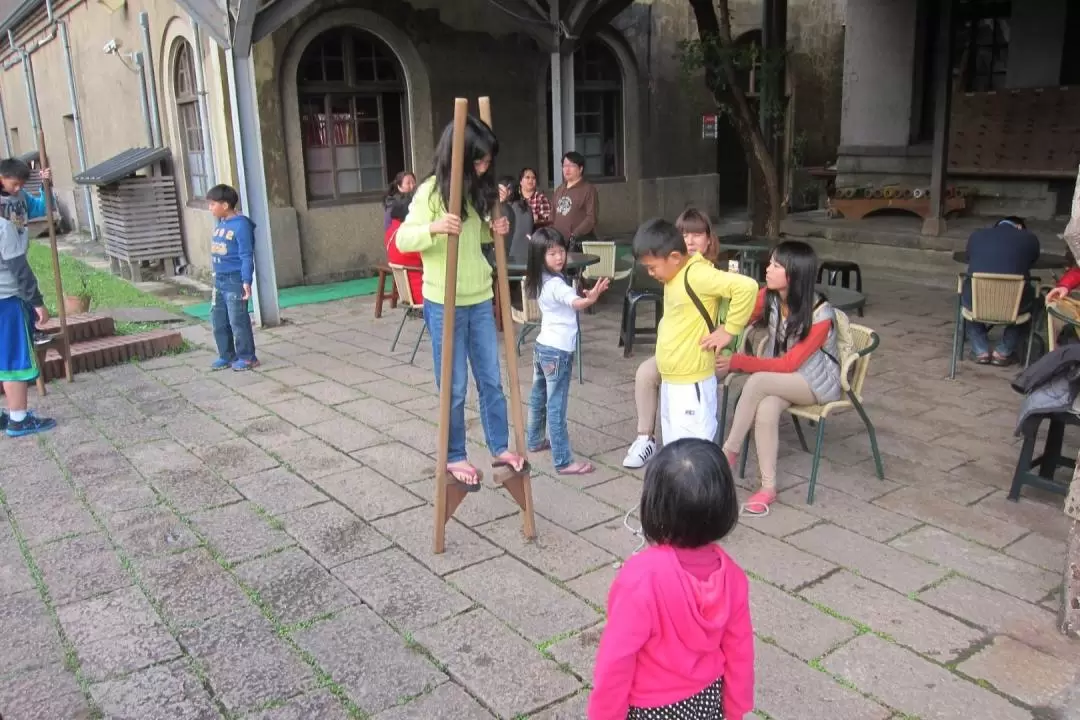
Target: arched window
{"points": [[352, 94], [189, 121], [598, 110]]}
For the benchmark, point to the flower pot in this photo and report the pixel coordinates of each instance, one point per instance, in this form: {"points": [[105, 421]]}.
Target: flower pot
{"points": [[76, 304]]}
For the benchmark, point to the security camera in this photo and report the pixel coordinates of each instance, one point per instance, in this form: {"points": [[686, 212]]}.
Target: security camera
{"points": [[111, 47]]}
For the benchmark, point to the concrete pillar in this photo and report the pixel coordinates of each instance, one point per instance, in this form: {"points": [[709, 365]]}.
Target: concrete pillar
{"points": [[939, 160], [879, 51]]}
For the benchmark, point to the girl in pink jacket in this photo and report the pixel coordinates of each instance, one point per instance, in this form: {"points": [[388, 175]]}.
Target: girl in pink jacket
{"points": [[678, 641]]}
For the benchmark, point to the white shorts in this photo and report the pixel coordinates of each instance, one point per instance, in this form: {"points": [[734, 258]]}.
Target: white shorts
{"points": [[688, 410]]}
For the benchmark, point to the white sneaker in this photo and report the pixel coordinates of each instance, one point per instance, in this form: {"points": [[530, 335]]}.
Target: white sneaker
{"points": [[640, 452]]}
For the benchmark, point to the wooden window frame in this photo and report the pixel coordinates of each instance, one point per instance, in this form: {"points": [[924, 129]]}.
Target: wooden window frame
{"points": [[189, 121]]}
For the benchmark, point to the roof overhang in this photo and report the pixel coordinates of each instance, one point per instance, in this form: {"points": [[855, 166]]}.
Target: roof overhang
{"points": [[122, 165]]}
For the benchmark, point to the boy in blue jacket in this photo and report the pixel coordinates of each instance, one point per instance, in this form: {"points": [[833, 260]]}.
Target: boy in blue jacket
{"points": [[232, 251]]}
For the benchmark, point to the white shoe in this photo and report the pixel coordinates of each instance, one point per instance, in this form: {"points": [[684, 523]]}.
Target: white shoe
{"points": [[640, 452]]}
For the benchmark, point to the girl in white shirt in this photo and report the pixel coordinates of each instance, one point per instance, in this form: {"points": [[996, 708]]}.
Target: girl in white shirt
{"points": [[553, 357]]}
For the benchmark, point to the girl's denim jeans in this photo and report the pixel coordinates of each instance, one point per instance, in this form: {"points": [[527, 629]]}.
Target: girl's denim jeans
{"points": [[476, 343], [552, 372], [230, 320]]}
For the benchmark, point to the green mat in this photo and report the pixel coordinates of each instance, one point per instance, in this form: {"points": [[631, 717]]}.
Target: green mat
{"points": [[306, 295]]}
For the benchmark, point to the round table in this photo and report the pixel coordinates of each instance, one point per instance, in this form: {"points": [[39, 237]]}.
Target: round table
{"points": [[747, 250], [842, 298], [575, 263], [1046, 261], [1054, 313]]}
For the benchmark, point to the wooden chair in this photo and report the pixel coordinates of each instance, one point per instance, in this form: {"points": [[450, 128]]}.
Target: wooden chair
{"points": [[412, 307], [995, 300], [382, 293], [854, 366]]}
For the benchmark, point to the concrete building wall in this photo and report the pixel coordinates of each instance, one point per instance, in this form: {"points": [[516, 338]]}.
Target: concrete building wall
{"points": [[108, 93]]}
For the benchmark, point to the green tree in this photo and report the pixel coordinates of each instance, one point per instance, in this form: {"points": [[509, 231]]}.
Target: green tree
{"points": [[727, 67]]}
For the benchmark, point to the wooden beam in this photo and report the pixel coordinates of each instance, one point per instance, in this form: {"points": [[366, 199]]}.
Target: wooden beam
{"points": [[939, 161]]}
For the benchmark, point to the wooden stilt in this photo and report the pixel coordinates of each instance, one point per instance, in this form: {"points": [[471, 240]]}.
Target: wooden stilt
{"points": [[443, 508], [46, 189], [519, 485]]}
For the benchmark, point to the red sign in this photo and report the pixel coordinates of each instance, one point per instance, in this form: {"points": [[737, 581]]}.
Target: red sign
{"points": [[710, 123]]}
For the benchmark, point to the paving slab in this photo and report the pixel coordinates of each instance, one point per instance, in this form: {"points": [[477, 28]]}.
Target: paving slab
{"points": [[908, 622], [237, 532], [881, 563], [499, 584], [806, 692], [30, 637], [118, 493], [794, 624], [402, 591], [270, 431], [569, 507], [150, 531], [555, 551], [247, 663], [593, 586], [504, 671], [979, 562], [190, 587], [413, 530], [81, 567], [191, 490], [964, 521], [1036, 549], [850, 513], [347, 435], [163, 692], [446, 702], [374, 681], [235, 458], [908, 683], [47, 693], [775, 561], [1021, 671], [478, 509], [368, 493], [116, 634], [333, 535], [321, 705], [573, 708], [398, 461], [279, 491], [294, 586], [578, 652], [313, 459], [374, 412]]}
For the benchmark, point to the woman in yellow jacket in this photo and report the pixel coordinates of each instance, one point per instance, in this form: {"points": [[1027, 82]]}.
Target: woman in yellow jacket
{"points": [[476, 341]]}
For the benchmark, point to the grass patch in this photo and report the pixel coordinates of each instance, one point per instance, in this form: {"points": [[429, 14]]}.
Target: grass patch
{"points": [[107, 290]]}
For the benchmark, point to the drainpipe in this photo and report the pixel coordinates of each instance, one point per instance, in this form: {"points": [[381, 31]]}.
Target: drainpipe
{"points": [[80, 141], [148, 57], [31, 95], [143, 100], [204, 114], [7, 136]]}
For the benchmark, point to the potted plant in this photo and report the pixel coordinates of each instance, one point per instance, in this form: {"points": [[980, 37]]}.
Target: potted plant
{"points": [[77, 299]]}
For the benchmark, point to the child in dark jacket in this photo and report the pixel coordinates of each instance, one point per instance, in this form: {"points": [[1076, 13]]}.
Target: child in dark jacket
{"points": [[232, 252]]}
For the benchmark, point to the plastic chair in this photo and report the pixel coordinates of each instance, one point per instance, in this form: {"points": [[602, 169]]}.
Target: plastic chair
{"points": [[995, 300], [642, 288], [854, 366], [606, 267], [412, 307]]}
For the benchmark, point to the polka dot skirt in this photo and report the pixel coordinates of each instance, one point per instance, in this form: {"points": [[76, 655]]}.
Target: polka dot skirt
{"points": [[706, 705]]}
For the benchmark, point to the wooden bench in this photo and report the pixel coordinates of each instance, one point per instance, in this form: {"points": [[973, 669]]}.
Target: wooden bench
{"points": [[381, 292]]}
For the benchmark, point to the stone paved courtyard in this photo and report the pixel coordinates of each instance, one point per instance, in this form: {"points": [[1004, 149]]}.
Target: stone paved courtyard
{"points": [[191, 545]]}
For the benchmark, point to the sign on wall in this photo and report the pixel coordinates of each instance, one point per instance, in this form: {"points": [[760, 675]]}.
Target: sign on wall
{"points": [[710, 126]]}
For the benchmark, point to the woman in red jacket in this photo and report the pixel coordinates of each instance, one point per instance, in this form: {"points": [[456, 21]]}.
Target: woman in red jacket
{"points": [[399, 209]]}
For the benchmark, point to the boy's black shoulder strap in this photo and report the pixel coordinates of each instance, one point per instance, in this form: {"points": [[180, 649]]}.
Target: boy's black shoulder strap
{"points": [[709, 323]]}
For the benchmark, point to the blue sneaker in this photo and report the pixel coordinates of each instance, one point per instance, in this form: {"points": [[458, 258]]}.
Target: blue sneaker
{"points": [[29, 425], [220, 364], [245, 365], [3, 420]]}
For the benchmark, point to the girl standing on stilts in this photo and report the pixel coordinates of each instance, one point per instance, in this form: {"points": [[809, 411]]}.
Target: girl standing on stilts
{"points": [[476, 342]]}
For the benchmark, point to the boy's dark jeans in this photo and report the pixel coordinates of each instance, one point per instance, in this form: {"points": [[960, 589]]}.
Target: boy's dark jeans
{"points": [[229, 317]]}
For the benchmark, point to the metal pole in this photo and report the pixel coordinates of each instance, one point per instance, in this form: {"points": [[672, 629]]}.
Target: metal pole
{"points": [[148, 56], [76, 119], [556, 99], [569, 137], [935, 220], [204, 115], [143, 100], [31, 93], [7, 135]]}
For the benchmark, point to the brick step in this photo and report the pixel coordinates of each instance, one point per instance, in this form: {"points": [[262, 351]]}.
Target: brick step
{"points": [[87, 326], [98, 353]]}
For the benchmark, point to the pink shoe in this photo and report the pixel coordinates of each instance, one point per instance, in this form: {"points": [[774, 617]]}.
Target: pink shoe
{"points": [[758, 503]]}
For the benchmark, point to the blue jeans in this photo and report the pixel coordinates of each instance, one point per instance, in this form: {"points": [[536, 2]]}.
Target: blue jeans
{"points": [[978, 336], [476, 344], [552, 371], [230, 319]]}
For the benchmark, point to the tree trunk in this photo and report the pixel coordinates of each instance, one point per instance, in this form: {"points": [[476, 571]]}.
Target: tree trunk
{"points": [[1070, 617], [745, 121]]}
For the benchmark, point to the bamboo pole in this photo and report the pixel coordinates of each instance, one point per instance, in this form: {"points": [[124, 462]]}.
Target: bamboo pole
{"points": [[446, 372], [46, 190], [524, 494]]}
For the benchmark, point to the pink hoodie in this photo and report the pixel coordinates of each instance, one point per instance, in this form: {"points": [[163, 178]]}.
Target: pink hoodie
{"points": [[670, 635]]}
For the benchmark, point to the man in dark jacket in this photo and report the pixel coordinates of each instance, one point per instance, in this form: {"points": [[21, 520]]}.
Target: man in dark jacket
{"points": [[1007, 248]]}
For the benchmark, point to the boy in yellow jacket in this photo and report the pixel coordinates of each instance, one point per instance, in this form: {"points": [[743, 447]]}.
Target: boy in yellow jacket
{"points": [[685, 348]]}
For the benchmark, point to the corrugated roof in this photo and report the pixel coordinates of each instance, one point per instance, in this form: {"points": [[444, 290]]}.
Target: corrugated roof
{"points": [[120, 166]]}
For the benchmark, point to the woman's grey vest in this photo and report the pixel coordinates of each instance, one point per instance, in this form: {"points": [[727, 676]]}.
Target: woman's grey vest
{"points": [[821, 371]]}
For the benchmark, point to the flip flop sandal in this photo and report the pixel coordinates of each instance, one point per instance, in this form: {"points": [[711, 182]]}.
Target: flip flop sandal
{"points": [[982, 359], [465, 471], [525, 466], [584, 468], [749, 510], [542, 447]]}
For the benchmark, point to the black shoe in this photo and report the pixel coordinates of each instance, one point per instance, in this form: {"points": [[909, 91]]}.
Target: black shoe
{"points": [[29, 425], [3, 421], [42, 338]]}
